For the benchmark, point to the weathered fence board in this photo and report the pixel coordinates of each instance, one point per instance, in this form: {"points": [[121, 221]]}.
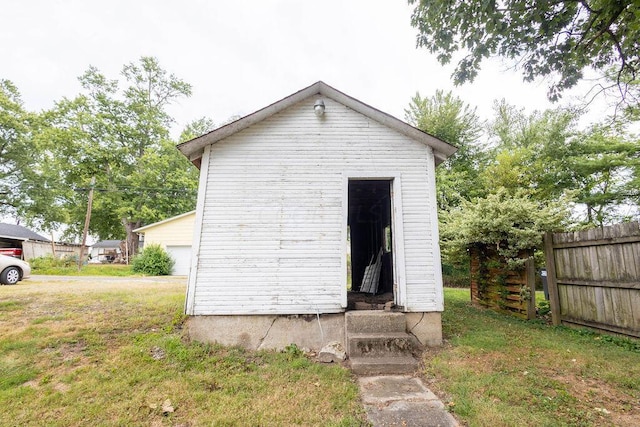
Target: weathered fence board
{"points": [[499, 288], [594, 278], [33, 249]]}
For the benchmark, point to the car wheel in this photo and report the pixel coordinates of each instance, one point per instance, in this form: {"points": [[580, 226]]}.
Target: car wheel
{"points": [[10, 276]]}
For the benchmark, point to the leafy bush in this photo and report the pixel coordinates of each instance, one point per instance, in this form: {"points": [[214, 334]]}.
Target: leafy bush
{"points": [[48, 262], [543, 308], [509, 222], [69, 260], [42, 262], [153, 261]]}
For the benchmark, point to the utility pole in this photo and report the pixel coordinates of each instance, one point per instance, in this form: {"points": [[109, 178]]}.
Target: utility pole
{"points": [[86, 223], [53, 245]]}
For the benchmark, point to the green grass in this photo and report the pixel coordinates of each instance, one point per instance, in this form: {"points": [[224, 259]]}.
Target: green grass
{"points": [[68, 266], [500, 371], [112, 352], [74, 353], [114, 270]]}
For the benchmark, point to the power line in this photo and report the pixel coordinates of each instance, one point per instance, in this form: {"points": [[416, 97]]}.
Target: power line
{"points": [[131, 189], [113, 189]]}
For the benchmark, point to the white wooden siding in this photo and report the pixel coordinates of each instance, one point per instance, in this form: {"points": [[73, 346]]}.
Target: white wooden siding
{"points": [[271, 238]]}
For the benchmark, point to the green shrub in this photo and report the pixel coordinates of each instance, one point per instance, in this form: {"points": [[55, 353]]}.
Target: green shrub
{"points": [[543, 308], [42, 262], [68, 261], [510, 222], [48, 262], [153, 261]]}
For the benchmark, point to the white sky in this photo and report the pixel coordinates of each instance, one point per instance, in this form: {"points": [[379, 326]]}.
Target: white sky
{"points": [[239, 55]]}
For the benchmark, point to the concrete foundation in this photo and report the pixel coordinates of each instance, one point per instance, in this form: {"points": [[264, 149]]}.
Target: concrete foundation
{"points": [[426, 327], [258, 332]]}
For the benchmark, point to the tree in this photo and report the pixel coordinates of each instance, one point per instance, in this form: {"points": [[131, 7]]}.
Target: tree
{"points": [[121, 137], [530, 151], [604, 164], [557, 40], [447, 117], [196, 128], [543, 153], [17, 150]]}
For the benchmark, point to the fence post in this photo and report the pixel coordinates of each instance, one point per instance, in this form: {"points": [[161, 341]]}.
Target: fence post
{"points": [[531, 284], [554, 301]]}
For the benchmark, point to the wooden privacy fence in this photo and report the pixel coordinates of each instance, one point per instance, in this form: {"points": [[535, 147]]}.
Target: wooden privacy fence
{"points": [[497, 286], [32, 249], [594, 278]]}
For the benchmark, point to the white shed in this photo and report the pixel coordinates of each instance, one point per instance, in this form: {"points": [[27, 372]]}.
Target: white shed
{"points": [[105, 251], [284, 193], [174, 235]]}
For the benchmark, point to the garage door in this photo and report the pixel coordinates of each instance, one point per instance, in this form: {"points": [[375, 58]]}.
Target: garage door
{"points": [[182, 257]]}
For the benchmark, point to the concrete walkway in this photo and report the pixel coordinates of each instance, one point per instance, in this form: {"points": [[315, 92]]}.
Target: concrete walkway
{"points": [[398, 400]]}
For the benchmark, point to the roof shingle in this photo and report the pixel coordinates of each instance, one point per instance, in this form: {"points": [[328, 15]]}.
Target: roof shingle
{"points": [[13, 231]]}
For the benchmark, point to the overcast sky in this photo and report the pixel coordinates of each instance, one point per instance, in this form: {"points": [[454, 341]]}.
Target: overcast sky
{"points": [[239, 55]]}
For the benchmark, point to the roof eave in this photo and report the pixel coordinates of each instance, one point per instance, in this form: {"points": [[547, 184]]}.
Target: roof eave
{"points": [[193, 149], [155, 224], [24, 239]]}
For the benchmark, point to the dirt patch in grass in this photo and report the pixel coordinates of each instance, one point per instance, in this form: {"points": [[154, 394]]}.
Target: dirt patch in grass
{"points": [[606, 400]]}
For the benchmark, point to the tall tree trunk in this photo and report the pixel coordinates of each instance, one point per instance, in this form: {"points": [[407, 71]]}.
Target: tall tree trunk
{"points": [[131, 242]]}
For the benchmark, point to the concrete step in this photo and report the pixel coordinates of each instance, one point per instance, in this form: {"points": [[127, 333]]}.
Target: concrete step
{"points": [[389, 344], [383, 365], [371, 321]]}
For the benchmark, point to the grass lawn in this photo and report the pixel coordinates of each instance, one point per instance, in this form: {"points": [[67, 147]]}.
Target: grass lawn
{"points": [[111, 352], [101, 351], [114, 270], [499, 371]]}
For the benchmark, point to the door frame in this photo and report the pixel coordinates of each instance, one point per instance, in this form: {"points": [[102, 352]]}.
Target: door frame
{"points": [[397, 230]]}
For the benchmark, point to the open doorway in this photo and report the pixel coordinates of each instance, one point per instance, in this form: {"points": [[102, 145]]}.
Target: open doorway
{"points": [[370, 231]]}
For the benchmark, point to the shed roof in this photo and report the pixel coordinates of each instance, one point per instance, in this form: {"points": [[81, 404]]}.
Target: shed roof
{"points": [[18, 232], [155, 224], [107, 244], [194, 148]]}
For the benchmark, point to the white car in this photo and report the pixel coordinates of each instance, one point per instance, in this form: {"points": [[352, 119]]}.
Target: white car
{"points": [[12, 270]]}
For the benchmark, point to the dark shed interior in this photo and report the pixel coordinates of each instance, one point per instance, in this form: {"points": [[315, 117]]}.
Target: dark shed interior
{"points": [[369, 224]]}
